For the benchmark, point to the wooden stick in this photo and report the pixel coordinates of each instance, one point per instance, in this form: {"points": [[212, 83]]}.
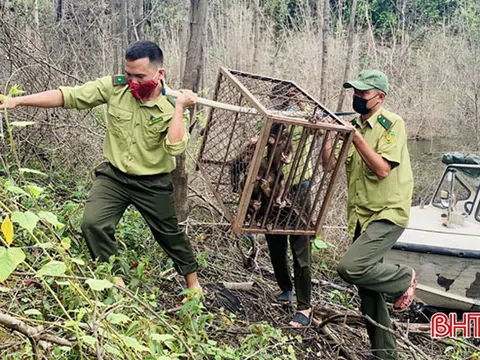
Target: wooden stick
{"points": [[244, 286], [214, 104], [36, 333]]}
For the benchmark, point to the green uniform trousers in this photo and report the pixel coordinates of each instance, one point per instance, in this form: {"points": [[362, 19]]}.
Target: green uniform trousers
{"points": [[152, 195], [301, 247], [302, 260], [362, 265]]}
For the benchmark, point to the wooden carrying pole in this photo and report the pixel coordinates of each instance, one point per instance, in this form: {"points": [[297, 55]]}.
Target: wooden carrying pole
{"points": [[212, 103], [243, 109]]}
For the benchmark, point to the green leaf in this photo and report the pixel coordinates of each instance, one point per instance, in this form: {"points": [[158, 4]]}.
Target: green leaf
{"points": [[34, 190], [62, 283], [118, 318], [78, 261], [113, 350], [31, 171], [16, 190], [71, 323], [4, 289], [9, 260], [162, 337], [320, 244], [66, 243], [99, 285], [27, 220], [15, 90], [134, 344], [53, 268], [33, 312], [51, 218], [65, 348], [46, 245], [22, 123], [90, 340]]}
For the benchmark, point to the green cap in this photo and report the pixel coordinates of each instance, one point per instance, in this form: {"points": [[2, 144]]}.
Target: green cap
{"points": [[369, 79]]}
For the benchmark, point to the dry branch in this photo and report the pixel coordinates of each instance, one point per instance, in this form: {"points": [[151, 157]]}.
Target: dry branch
{"points": [[243, 286], [36, 333]]}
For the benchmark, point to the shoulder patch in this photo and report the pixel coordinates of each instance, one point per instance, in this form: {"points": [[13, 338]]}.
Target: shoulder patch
{"points": [[171, 100], [387, 124], [119, 80]]}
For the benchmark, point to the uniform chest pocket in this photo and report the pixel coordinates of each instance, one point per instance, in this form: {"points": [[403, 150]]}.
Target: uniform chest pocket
{"points": [[369, 174], [154, 131], [119, 121]]}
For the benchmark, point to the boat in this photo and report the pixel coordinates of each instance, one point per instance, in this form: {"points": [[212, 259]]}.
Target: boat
{"points": [[442, 240]]}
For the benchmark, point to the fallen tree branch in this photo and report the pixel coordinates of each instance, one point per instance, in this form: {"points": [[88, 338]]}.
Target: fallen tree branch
{"points": [[396, 334], [329, 333], [243, 286], [36, 333]]}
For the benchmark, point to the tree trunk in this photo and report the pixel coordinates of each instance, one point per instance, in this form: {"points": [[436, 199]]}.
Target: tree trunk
{"points": [[256, 35], [403, 20], [191, 80], [325, 50], [184, 40], [127, 10], [351, 34], [372, 35], [37, 23], [28, 32], [59, 10], [137, 14], [4, 7]]}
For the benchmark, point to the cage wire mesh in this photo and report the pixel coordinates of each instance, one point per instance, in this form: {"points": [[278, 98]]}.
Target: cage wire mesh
{"points": [[262, 160]]}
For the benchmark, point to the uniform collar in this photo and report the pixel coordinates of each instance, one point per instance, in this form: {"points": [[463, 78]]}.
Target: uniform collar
{"points": [[160, 101], [371, 120]]}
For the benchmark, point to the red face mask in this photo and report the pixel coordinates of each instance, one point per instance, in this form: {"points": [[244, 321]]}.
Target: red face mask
{"points": [[141, 91]]}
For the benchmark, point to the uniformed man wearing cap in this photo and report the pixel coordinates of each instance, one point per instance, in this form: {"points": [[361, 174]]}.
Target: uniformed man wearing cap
{"points": [[145, 131], [380, 185]]}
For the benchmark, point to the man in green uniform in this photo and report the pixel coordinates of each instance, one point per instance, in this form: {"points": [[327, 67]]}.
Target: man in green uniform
{"points": [[145, 131], [300, 245], [380, 185]]}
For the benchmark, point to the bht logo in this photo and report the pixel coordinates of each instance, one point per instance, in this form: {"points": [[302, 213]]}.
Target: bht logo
{"points": [[442, 326]]}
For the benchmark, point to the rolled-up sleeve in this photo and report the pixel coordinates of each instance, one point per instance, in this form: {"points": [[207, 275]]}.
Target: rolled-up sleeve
{"points": [[88, 95], [179, 147], [392, 143]]}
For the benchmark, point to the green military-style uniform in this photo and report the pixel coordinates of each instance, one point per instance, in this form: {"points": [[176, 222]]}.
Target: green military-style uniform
{"points": [[139, 161], [378, 212], [371, 199]]}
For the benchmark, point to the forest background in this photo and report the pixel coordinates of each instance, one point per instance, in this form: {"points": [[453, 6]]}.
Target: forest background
{"points": [[428, 49]]}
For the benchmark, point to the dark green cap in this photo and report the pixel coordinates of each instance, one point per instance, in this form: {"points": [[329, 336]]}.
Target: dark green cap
{"points": [[369, 79]]}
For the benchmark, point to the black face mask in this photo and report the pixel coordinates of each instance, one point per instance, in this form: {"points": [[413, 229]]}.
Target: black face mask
{"points": [[360, 105]]}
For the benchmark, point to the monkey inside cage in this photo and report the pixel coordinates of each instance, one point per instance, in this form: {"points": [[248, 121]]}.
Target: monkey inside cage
{"points": [[261, 154]]}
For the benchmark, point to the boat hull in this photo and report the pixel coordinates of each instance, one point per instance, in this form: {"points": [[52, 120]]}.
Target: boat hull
{"points": [[443, 281]]}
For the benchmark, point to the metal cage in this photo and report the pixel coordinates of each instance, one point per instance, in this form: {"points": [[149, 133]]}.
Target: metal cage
{"points": [[261, 157]]}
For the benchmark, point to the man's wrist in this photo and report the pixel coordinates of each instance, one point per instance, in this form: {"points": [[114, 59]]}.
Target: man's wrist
{"points": [[179, 106], [15, 101]]}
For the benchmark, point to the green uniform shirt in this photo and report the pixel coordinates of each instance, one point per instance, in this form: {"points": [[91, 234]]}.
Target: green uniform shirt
{"points": [[370, 198], [136, 140], [297, 135]]}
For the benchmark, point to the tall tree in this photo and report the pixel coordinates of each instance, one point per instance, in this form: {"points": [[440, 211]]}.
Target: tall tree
{"points": [[256, 35], [348, 59], [325, 50], [59, 9], [138, 19], [191, 80]]}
